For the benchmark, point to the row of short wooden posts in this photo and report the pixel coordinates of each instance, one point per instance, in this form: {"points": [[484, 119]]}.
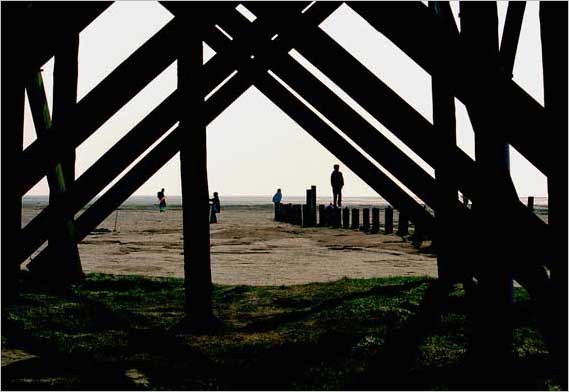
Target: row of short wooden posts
{"points": [[305, 215]]}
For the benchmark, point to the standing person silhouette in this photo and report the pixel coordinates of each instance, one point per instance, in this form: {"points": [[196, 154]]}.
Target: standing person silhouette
{"points": [[337, 180], [215, 208], [162, 199], [277, 197]]}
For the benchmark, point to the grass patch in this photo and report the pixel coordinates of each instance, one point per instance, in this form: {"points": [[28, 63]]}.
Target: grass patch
{"points": [[117, 332]]}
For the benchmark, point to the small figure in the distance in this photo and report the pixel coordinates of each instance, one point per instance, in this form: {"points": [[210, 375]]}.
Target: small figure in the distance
{"points": [[162, 200], [215, 208]]}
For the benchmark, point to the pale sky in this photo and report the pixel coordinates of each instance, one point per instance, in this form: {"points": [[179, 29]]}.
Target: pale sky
{"points": [[254, 147]]}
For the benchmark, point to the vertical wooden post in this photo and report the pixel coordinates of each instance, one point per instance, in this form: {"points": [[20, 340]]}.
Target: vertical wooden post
{"points": [[65, 76], [402, 224], [12, 134], [346, 218], [492, 329], [193, 166], [322, 215], [365, 220], [336, 218], [445, 130], [375, 220], [313, 205], [307, 216], [388, 220], [355, 219], [530, 203], [298, 214], [553, 24]]}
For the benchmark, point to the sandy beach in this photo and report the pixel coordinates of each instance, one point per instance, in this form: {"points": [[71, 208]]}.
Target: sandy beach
{"points": [[247, 247]]}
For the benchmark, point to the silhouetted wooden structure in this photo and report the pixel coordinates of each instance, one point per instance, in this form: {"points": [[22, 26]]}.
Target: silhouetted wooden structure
{"points": [[467, 65]]}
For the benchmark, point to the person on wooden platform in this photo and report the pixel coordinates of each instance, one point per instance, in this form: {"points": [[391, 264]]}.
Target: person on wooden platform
{"points": [[215, 208], [337, 180], [277, 197]]}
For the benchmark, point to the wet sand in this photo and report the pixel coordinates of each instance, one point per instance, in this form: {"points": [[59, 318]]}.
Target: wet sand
{"points": [[247, 247]]}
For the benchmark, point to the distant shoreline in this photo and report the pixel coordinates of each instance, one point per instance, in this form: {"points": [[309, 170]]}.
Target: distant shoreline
{"points": [[175, 201]]}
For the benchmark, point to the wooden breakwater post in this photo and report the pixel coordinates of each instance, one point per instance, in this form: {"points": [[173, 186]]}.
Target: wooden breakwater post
{"points": [[322, 215], [403, 224], [355, 219], [307, 210], [336, 218], [288, 218], [374, 220], [313, 204], [365, 220], [389, 220], [346, 218], [530, 203], [278, 212], [306, 215], [297, 214]]}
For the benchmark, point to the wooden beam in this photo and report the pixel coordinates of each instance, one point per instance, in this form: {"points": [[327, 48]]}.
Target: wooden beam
{"points": [[522, 113], [12, 137], [193, 167], [511, 35], [493, 334], [114, 161], [65, 78], [58, 23], [450, 266], [338, 146], [65, 266], [553, 24], [99, 105]]}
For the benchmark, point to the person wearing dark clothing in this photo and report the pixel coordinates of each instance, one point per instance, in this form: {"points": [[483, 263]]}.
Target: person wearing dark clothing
{"points": [[337, 181], [162, 200], [215, 208]]}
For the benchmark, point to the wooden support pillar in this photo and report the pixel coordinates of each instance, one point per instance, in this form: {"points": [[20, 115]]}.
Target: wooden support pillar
{"points": [[530, 203], [553, 22], [388, 220], [492, 329], [365, 220], [65, 76], [444, 122], [12, 136], [193, 166], [346, 218], [307, 218], [402, 224], [65, 266], [374, 220], [355, 219]]}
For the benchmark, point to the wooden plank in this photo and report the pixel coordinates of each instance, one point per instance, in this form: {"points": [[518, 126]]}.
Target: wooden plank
{"points": [[12, 137], [553, 25], [66, 263], [82, 192], [65, 79], [193, 167], [523, 113], [492, 334]]}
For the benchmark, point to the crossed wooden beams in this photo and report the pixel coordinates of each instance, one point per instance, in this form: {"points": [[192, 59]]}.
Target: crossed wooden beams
{"points": [[258, 51], [155, 55]]}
